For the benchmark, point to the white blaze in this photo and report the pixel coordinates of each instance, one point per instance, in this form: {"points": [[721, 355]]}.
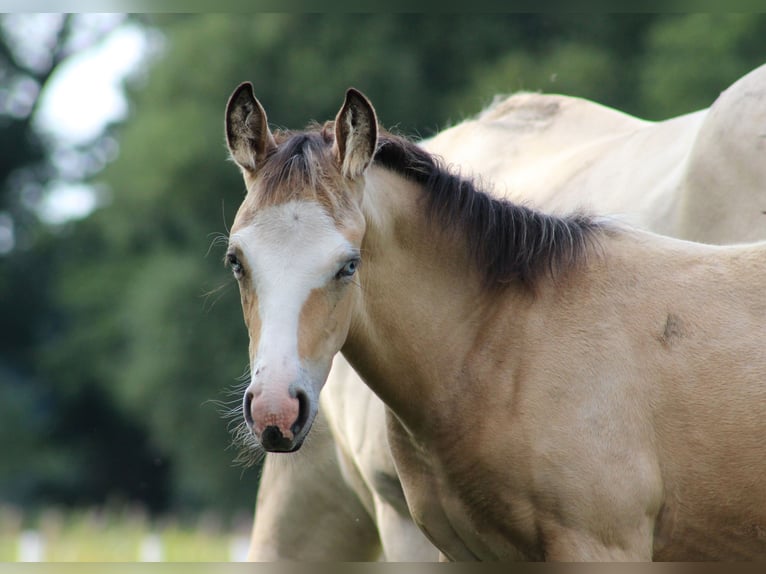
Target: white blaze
{"points": [[289, 250]]}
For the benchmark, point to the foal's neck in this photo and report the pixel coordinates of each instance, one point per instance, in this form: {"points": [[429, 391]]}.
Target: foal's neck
{"points": [[421, 303]]}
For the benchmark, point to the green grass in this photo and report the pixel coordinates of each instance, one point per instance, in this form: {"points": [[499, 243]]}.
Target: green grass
{"points": [[116, 536]]}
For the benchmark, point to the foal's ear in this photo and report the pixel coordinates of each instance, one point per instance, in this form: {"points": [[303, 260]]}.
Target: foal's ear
{"points": [[356, 134], [247, 130]]}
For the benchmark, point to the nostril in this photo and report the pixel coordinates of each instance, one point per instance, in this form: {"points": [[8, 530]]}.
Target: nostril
{"points": [[303, 412], [247, 407]]}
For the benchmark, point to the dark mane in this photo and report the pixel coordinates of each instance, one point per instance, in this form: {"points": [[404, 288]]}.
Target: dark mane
{"points": [[508, 241]]}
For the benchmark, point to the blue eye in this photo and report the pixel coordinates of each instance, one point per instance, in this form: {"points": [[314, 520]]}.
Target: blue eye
{"points": [[348, 269]]}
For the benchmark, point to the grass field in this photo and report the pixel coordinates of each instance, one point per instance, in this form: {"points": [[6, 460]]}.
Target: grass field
{"points": [[125, 535]]}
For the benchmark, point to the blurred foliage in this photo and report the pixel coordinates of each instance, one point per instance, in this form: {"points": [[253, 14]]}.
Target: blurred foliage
{"points": [[122, 331], [66, 443], [689, 56]]}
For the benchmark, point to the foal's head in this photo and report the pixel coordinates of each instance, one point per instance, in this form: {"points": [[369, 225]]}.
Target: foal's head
{"points": [[294, 249]]}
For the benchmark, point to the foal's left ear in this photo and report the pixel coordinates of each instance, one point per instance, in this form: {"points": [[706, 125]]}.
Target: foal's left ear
{"points": [[356, 134]]}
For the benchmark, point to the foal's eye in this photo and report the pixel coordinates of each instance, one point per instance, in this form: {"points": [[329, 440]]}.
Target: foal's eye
{"points": [[236, 266], [348, 269]]}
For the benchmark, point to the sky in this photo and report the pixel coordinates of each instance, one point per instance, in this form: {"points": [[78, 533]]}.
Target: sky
{"points": [[78, 115], [82, 97]]}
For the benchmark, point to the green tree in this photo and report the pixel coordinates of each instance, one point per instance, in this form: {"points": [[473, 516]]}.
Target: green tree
{"points": [[50, 450], [586, 55], [691, 58]]}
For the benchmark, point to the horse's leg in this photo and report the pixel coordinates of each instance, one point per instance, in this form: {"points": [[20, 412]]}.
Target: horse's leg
{"points": [[307, 511], [402, 540]]}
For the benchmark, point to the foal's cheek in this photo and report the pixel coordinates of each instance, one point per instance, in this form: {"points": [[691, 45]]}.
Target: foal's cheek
{"points": [[312, 324], [252, 319], [323, 324]]}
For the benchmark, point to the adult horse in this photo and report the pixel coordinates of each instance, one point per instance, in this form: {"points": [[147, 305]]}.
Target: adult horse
{"points": [[696, 176], [562, 387]]}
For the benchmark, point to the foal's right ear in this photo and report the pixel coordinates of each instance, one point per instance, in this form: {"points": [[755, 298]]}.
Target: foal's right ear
{"points": [[247, 130]]}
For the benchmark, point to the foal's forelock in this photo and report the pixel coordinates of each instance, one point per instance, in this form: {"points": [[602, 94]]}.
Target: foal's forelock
{"points": [[302, 167]]}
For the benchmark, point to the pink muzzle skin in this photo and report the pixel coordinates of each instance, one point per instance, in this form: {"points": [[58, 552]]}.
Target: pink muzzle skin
{"points": [[281, 414], [274, 419]]}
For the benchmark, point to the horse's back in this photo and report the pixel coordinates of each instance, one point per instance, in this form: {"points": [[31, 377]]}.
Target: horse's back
{"points": [[513, 138], [637, 176]]}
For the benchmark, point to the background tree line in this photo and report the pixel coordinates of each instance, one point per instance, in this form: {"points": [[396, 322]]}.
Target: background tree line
{"points": [[122, 338]]}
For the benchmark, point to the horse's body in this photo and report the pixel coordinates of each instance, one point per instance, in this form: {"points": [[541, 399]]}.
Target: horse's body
{"points": [[521, 130]]}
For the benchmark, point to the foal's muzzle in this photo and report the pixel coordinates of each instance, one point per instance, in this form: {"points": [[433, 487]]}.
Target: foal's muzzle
{"points": [[278, 424]]}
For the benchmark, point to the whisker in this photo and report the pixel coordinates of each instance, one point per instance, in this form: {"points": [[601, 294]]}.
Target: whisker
{"points": [[248, 451], [223, 217], [245, 376], [218, 240], [220, 290]]}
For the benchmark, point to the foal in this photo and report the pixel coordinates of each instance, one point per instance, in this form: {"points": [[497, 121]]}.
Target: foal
{"points": [[562, 388]]}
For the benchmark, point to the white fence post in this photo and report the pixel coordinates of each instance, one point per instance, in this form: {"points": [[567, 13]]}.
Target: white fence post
{"points": [[31, 547], [238, 548], [151, 548]]}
